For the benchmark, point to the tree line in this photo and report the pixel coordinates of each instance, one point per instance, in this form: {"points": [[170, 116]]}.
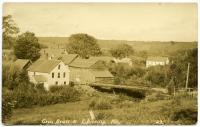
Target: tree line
{"points": [[26, 45]]}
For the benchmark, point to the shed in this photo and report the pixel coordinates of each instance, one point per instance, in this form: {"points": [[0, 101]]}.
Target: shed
{"points": [[22, 63]]}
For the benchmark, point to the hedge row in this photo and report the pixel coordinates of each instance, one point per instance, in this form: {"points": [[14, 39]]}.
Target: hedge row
{"points": [[25, 99]]}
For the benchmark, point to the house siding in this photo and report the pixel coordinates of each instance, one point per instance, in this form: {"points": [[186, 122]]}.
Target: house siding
{"points": [[81, 75], [52, 81], [154, 63]]}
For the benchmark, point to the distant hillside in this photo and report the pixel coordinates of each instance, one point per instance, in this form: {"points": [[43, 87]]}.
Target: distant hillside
{"points": [[161, 48]]}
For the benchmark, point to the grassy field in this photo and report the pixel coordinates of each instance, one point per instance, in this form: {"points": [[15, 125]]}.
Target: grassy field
{"points": [[124, 112], [152, 48]]}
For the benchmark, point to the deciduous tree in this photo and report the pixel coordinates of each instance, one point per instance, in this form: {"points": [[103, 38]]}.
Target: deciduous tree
{"points": [[83, 45], [9, 31], [27, 47], [122, 51]]}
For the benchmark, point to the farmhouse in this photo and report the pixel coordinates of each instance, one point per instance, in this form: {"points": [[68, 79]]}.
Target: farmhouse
{"points": [[83, 71], [22, 63], [154, 61], [49, 72], [123, 61]]}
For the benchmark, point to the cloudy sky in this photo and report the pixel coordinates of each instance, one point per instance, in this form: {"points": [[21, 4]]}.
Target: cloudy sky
{"points": [[142, 22]]}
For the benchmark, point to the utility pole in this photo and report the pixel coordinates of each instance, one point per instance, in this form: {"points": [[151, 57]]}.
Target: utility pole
{"points": [[187, 78]]}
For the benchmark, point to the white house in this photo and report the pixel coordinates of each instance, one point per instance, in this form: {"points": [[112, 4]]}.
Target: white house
{"points": [[124, 61], [154, 61], [49, 72]]}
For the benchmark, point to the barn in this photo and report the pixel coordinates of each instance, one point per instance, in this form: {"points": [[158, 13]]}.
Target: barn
{"points": [[85, 71]]}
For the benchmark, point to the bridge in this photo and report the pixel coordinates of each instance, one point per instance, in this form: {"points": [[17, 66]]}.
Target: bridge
{"points": [[127, 87], [139, 88]]}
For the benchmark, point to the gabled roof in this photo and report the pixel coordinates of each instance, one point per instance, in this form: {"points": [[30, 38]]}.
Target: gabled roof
{"points": [[68, 58], [44, 66], [40, 78], [158, 58], [21, 63], [83, 63], [101, 73], [103, 58]]}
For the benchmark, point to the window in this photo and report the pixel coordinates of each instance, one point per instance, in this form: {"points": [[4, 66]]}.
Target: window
{"points": [[64, 75], [65, 83], [52, 75], [56, 82], [58, 66], [58, 75]]}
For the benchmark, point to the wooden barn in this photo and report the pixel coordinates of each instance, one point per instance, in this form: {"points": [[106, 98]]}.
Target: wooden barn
{"points": [[85, 71]]}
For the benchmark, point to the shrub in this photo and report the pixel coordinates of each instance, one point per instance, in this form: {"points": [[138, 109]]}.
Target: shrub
{"points": [[23, 100], [7, 106], [186, 116], [180, 112], [92, 104], [71, 84], [100, 104], [132, 94], [102, 115], [156, 96], [40, 87], [55, 88], [10, 75], [58, 94]]}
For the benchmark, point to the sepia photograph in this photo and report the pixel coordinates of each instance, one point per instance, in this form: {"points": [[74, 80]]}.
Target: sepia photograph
{"points": [[99, 63]]}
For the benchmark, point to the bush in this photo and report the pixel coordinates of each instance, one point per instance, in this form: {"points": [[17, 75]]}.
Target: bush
{"points": [[58, 94], [10, 74], [7, 106], [55, 88], [71, 84], [23, 100], [180, 112], [100, 104], [102, 115], [157, 95], [186, 116], [157, 76], [40, 87]]}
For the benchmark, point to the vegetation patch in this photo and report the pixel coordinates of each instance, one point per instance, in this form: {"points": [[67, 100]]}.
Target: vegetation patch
{"points": [[100, 104]]}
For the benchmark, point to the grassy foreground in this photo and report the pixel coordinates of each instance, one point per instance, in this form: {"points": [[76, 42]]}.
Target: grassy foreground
{"points": [[123, 112]]}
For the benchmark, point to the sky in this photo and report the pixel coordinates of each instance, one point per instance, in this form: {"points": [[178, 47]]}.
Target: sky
{"points": [[110, 21]]}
